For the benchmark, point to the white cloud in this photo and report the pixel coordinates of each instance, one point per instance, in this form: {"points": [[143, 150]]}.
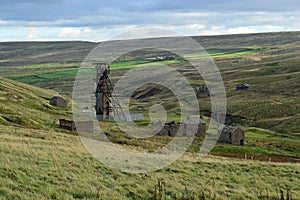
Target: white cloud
{"points": [[194, 14], [220, 30], [75, 33], [3, 22], [104, 26], [32, 34]]}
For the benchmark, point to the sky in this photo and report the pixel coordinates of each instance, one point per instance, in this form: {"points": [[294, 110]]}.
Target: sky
{"points": [[100, 20]]}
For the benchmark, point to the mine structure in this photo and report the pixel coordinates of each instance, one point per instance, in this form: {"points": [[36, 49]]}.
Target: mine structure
{"points": [[107, 103]]}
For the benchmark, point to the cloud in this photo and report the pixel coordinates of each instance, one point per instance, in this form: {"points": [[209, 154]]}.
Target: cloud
{"points": [[47, 10], [99, 20], [74, 32], [220, 30], [32, 34]]}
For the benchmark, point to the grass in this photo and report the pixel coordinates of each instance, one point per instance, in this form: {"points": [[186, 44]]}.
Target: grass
{"points": [[45, 164], [225, 53], [43, 77], [40, 161], [262, 60], [260, 144], [27, 106]]}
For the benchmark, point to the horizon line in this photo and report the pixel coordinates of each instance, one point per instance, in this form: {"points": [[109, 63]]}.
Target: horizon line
{"points": [[90, 41]]}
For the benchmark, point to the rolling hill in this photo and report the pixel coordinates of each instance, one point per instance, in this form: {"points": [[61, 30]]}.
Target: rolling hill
{"points": [[40, 161], [27, 106], [269, 62]]}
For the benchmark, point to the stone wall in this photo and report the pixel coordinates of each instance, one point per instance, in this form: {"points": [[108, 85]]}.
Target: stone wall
{"points": [[178, 129]]}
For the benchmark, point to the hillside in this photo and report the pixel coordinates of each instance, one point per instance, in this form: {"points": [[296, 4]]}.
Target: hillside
{"points": [[41, 164], [25, 106], [30, 53], [28, 106], [269, 62], [40, 161]]}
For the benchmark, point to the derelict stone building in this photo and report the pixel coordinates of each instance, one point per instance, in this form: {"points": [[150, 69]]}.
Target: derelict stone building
{"points": [[58, 101], [232, 135], [82, 126], [173, 129]]}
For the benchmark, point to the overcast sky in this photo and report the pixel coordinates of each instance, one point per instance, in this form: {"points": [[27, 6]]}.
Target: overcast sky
{"points": [[99, 20]]}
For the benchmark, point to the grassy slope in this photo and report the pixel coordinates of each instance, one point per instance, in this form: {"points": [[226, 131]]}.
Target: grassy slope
{"points": [[39, 164], [260, 144], [36, 163], [273, 73], [28, 106], [39, 63], [269, 62], [33, 53]]}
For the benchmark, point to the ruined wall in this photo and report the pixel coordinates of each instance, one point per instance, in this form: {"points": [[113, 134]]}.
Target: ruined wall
{"points": [[82, 126], [175, 129], [225, 137]]}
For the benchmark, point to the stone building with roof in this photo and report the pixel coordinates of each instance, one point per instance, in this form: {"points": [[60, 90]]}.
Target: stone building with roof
{"points": [[232, 135], [58, 101]]}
